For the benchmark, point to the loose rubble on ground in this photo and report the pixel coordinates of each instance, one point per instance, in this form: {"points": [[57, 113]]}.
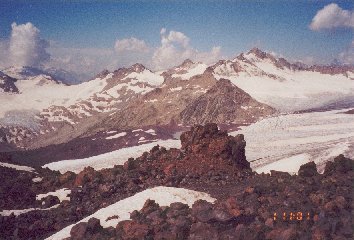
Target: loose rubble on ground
{"points": [[248, 205]]}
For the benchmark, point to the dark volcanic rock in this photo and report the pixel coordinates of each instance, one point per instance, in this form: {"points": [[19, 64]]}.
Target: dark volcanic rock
{"points": [[340, 164], [307, 207], [349, 111], [308, 170], [50, 201], [248, 206], [210, 141]]}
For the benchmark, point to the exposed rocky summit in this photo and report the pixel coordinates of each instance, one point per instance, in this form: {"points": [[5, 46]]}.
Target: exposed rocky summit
{"points": [[224, 103]]}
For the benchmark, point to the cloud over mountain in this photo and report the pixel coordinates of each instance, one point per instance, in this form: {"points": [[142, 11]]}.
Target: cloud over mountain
{"points": [[26, 48], [175, 48], [332, 16], [131, 44], [347, 56]]}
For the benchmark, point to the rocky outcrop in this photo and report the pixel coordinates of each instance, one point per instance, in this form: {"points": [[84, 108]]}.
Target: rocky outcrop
{"points": [[349, 111], [277, 206], [248, 206], [224, 103], [7, 83], [162, 105], [210, 141], [333, 69]]}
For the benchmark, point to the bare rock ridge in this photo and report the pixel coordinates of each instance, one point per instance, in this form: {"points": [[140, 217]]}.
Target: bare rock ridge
{"points": [[224, 103], [102, 74]]}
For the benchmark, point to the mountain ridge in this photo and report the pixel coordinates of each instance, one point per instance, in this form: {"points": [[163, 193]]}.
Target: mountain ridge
{"points": [[136, 96]]}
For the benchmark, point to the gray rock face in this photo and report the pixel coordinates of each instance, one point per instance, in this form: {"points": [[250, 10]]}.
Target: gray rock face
{"points": [[224, 103]]}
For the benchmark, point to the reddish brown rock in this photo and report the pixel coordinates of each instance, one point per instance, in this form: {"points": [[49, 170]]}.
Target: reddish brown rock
{"points": [[132, 230]]}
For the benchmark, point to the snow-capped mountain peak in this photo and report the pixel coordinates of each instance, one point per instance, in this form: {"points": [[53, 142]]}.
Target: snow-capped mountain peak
{"points": [[137, 67], [186, 63], [186, 70]]}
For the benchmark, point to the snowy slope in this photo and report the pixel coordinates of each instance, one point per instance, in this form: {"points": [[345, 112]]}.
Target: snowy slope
{"points": [[163, 196], [185, 73], [288, 141], [108, 160], [37, 97], [284, 88], [146, 76]]}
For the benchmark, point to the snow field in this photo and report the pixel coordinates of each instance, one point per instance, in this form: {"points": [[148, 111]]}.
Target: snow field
{"points": [[284, 143]]}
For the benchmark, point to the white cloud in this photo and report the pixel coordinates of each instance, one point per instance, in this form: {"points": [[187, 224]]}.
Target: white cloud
{"points": [[4, 54], [332, 16], [131, 44], [347, 56], [175, 48], [26, 48]]}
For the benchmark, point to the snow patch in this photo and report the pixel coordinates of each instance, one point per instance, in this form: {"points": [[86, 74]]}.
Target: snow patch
{"points": [[138, 130], [118, 135], [37, 179], [17, 167], [175, 89], [163, 196], [62, 194], [151, 100], [22, 211], [151, 131], [147, 77], [197, 69]]}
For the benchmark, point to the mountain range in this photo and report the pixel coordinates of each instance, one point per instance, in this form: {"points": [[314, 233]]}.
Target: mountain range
{"points": [[254, 147], [40, 109]]}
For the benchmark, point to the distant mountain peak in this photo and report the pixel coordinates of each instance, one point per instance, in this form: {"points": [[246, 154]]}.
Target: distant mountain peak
{"points": [[258, 52], [102, 74], [137, 67], [187, 63], [224, 103], [28, 72], [23, 72]]}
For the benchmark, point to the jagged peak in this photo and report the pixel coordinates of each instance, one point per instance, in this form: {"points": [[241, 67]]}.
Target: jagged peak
{"points": [[187, 62], [102, 74], [258, 52], [137, 67]]}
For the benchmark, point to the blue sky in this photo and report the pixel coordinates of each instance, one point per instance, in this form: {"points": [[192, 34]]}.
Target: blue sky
{"points": [[235, 26]]}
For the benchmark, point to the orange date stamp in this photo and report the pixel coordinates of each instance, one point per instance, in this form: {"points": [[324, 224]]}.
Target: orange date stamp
{"points": [[292, 216]]}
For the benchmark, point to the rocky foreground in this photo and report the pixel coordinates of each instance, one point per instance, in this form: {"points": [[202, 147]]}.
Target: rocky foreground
{"points": [[308, 205]]}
